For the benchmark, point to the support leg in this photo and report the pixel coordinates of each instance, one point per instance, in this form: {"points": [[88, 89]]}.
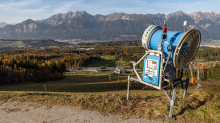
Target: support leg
{"points": [[128, 88], [172, 103], [186, 86], [184, 93]]}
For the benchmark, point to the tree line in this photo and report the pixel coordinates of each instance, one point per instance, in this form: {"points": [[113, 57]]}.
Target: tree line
{"points": [[209, 54], [208, 72], [49, 64], [127, 53], [37, 65]]}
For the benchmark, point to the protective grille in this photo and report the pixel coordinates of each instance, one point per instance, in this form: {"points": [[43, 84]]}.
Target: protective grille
{"points": [[187, 48]]}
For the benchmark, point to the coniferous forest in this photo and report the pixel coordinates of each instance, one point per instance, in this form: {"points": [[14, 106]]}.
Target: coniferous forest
{"points": [[207, 61], [37, 65], [19, 66]]}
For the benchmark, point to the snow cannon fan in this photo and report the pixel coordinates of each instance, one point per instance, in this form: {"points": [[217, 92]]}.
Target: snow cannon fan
{"points": [[185, 44], [165, 52]]}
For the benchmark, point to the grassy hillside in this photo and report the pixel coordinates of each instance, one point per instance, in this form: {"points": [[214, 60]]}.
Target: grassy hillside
{"points": [[86, 91]]}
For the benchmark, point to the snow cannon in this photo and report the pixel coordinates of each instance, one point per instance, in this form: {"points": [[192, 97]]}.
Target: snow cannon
{"points": [[184, 45], [166, 52]]}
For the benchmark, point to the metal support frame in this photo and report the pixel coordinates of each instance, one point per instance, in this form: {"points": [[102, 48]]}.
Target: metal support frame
{"points": [[198, 73], [128, 87], [186, 86], [173, 96], [170, 97], [184, 93], [190, 67], [172, 103]]}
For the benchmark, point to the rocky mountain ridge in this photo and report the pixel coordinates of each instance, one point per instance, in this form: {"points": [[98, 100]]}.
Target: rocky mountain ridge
{"points": [[115, 26], [2, 24]]}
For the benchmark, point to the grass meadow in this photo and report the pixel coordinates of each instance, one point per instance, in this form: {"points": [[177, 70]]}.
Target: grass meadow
{"points": [[111, 62], [84, 90], [4, 43]]}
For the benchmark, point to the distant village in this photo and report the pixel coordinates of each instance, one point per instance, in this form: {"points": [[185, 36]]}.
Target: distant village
{"points": [[212, 46], [20, 46]]}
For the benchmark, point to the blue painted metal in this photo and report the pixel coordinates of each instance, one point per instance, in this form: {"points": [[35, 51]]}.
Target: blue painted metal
{"points": [[173, 37], [151, 73]]}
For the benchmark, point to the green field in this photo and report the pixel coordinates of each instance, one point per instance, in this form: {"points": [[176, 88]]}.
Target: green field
{"points": [[4, 43], [84, 90], [108, 58], [74, 82], [111, 62], [108, 61]]}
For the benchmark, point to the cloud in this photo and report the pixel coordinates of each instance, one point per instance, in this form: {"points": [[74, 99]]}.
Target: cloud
{"points": [[12, 4], [25, 3], [24, 7], [22, 3], [66, 6], [9, 6], [42, 9]]}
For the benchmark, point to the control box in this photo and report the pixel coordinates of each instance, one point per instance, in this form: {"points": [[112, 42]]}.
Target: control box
{"points": [[151, 69]]}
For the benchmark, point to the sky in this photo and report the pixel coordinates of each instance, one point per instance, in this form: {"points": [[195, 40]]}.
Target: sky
{"points": [[16, 11]]}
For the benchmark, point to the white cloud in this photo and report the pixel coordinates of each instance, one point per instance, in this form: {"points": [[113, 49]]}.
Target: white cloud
{"points": [[9, 6], [39, 9], [66, 6], [42, 9], [13, 4], [23, 7], [21, 3]]}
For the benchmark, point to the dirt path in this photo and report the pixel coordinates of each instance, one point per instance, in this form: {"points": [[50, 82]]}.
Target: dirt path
{"points": [[25, 112]]}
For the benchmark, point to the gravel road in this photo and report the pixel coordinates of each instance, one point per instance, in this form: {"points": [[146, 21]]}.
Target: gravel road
{"points": [[25, 112]]}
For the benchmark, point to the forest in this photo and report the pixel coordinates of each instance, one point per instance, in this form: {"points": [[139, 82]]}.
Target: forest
{"points": [[209, 54], [37, 65], [207, 61], [49, 64]]}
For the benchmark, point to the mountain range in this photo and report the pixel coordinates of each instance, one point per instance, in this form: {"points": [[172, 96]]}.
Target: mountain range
{"points": [[2, 24], [115, 26]]}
